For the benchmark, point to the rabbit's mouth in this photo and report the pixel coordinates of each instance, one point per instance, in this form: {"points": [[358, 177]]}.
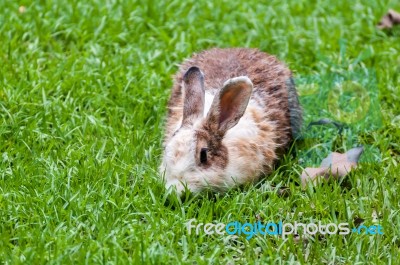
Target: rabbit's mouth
{"points": [[180, 186], [175, 185]]}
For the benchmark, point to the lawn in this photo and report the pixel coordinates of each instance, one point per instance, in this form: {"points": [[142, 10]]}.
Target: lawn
{"points": [[83, 93]]}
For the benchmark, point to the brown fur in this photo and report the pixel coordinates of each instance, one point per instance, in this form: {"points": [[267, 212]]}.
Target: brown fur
{"points": [[217, 154]]}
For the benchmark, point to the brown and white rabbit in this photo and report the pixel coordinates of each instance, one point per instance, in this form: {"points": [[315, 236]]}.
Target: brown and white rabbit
{"points": [[231, 113]]}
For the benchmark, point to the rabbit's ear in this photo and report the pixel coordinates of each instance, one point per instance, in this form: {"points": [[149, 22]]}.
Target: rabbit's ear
{"points": [[230, 104], [193, 103]]}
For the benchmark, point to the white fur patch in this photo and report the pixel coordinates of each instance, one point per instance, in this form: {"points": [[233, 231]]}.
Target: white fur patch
{"points": [[207, 102], [183, 146], [246, 128]]}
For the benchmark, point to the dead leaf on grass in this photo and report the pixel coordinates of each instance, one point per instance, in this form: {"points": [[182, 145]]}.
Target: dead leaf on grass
{"points": [[22, 9], [335, 164], [389, 20]]}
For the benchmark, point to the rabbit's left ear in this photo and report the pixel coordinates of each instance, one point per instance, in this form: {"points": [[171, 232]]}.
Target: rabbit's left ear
{"points": [[230, 104], [193, 102]]}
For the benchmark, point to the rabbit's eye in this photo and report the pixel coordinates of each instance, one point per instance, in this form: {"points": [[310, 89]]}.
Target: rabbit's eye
{"points": [[203, 155]]}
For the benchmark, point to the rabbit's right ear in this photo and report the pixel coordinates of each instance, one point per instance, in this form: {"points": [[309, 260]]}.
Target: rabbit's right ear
{"points": [[229, 106], [193, 102]]}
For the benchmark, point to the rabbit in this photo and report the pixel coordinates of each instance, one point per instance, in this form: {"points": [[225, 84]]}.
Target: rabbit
{"points": [[231, 114]]}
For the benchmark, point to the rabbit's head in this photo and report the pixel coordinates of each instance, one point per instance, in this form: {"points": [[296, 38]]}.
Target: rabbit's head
{"points": [[195, 156]]}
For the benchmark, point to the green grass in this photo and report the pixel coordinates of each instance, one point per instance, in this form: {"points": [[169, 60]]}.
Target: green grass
{"points": [[83, 92]]}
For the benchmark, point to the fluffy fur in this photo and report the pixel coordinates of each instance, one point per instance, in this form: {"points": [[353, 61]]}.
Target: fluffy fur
{"points": [[238, 104]]}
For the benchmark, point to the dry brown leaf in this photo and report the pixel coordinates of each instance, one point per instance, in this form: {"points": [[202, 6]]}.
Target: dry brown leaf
{"points": [[22, 9], [335, 164], [357, 221], [283, 192], [389, 20]]}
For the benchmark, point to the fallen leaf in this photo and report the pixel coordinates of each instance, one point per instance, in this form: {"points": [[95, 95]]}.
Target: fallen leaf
{"points": [[283, 192], [375, 217], [22, 9], [357, 221], [389, 20], [335, 164]]}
